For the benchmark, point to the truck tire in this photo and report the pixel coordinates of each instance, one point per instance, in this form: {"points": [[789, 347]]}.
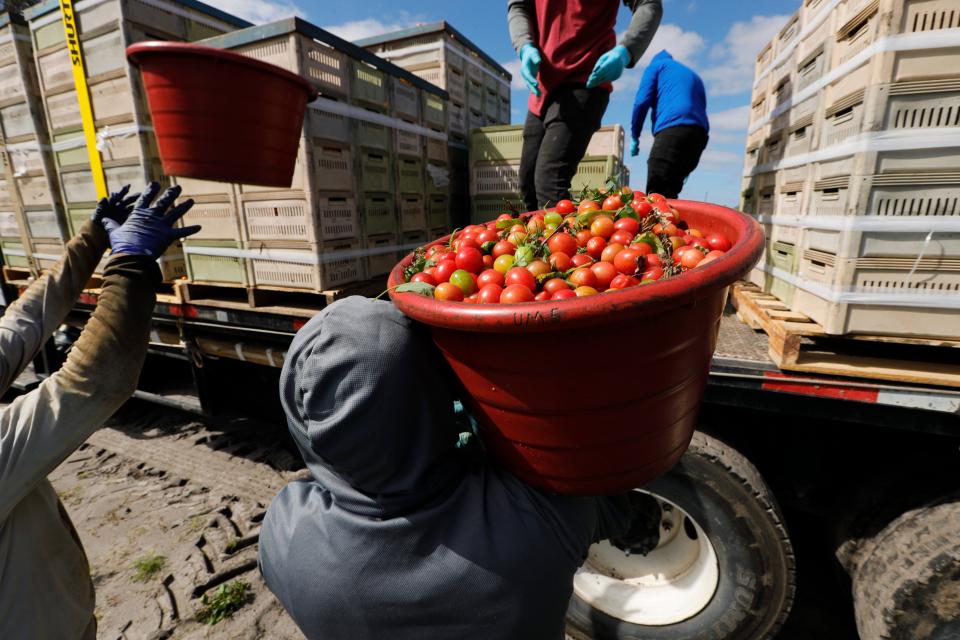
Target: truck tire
{"points": [[906, 582], [724, 568]]}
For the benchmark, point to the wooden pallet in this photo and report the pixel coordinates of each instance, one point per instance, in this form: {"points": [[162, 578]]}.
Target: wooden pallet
{"points": [[797, 343], [17, 276]]}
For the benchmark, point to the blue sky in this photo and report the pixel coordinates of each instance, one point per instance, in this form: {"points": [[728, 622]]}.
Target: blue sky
{"points": [[718, 39]]}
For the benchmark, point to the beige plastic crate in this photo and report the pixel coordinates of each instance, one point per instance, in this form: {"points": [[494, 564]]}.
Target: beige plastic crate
{"points": [[78, 185], [494, 178], [923, 195], [853, 243], [407, 143], [35, 190], [332, 165], [324, 66], [829, 196], [437, 150], [382, 253], [9, 227], [457, 119], [320, 123], [208, 190], [404, 99], [764, 58], [607, 141], [46, 253], [307, 267], [446, 76], [413, 213], [284, 217], [219, 219]]}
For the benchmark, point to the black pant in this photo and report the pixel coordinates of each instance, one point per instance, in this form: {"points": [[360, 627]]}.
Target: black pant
{"points": [[674, 155], [554, 144]]}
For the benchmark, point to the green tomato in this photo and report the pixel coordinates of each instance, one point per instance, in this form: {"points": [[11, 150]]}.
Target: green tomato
{"points": [[504, 263], [550, 228], [552, 218], [464, 281], [523, 256]]}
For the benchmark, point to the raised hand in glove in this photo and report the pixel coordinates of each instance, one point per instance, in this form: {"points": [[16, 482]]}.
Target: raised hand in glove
{"points": [[634, 147], [609, 67], [117, 207], [149, 230], [529, 66]]}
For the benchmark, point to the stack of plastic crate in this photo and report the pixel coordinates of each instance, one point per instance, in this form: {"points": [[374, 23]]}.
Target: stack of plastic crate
{"points": [[864, 232], [495, 166], [124, 134]]}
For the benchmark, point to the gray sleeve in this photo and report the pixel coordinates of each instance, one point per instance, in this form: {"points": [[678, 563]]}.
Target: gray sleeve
{"points": [[643, 25], [521, 20]]}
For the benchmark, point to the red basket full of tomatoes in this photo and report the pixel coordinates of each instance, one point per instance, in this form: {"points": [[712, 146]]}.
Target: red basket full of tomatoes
{"points": [[583, 333]]}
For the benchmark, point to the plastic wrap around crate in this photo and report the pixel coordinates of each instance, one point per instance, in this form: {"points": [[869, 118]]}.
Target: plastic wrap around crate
{"points": [[378, 214], [14, 254], [43, 224], [855, 243], [218, 219], [370, 135], [375, 173], [368, 85], [322, 217], [309, 267], [438, 212], [382, 253], [326, 125], [78, 185], [326, 67], [413, 213], [407, 143], [211, 262], [404, 99], [434, 112], [436, 179], [410, 175]]}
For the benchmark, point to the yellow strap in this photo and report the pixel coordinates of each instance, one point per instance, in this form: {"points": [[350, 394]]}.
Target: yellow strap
{"points": [[83, 96]]}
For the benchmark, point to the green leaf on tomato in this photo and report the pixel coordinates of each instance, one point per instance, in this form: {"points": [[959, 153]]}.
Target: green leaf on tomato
{"points": [[487, 246], [651, 239], [423, 288], [523, 256], [506, 224]]}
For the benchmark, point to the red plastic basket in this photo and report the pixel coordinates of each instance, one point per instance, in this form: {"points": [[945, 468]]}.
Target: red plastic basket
{"points": [[221, 116], [597, 395]]}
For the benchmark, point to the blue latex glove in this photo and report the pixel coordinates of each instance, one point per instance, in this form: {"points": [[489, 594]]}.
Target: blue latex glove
{"points": [[634, 147], [148, 231], [529, 66], [609, 67], [117, 207]]}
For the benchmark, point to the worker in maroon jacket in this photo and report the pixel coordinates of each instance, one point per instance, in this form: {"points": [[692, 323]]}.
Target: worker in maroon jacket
{"points": [[569, 58]]}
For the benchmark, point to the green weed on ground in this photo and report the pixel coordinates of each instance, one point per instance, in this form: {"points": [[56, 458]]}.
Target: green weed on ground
{"points": [[226, 600], [148, 566]]}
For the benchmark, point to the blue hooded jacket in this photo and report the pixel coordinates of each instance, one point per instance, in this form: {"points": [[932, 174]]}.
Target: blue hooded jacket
{"points": [[674, 95]]}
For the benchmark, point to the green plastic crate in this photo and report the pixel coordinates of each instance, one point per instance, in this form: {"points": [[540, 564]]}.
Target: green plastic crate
{"points": [[783, 256], [490, 144], [410, 175], [370, 135], [594, 171], [18, 261], [375, 172], [438, 212], [76, 216], [434, 111], [487, 208], [369, 85], [74, 155], [215, 269], [49, 35], [379, 214]]}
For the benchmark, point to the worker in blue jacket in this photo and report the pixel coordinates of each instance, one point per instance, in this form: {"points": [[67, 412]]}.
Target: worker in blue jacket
{"points": [[674, 95]]}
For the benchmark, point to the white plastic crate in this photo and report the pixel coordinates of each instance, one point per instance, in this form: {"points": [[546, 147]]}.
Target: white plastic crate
{"points": [[382, 253], [855, 32], [78, 186], [9, 227], [17, 121], [35, 190], [829, 196], [11, 82], [326, 216], [43, 224], [413, 213], [323, 65], [854, 243], [607, 141], [219, 220], [207, 189], [311, 268]]}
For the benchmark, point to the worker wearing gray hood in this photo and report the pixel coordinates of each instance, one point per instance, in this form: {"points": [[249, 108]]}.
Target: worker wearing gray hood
{"points": [[399, 534]]}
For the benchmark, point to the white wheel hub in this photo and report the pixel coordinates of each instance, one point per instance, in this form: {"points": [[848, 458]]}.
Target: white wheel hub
{"points": [[672, 583]]}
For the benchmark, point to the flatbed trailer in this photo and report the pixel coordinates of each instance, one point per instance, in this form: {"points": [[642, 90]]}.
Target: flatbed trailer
{"points": [[874, 459]]}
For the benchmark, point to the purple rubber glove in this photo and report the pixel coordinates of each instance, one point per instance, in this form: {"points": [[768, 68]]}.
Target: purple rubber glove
{"points": [[609, 67], [149, 230]]}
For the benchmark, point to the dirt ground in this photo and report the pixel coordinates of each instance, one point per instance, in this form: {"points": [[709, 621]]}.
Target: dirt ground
{"points": [[161, 534]]}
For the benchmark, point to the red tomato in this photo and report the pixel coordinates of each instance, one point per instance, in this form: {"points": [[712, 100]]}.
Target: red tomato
{"points": [[642, 207], [718, 242], [555, 284], [543, 296], [679, 251], [626, 261], [563, 293], [504, 216], [587, 205], [610, 251], [580, 259], [562, 243], [652, 260], [622, 236], [538, 268], [487, 261], [490, 276], [695, 233], [465, 280], [697, 242], [583, 237], [605, 273], [583, 277], [653, 273], [473, 228], [627, 224], [445, 269], [424, 277], [467, 241], [676, 242], [520, 276], [473, 298], [602, 226], [670, 229], [445, 255], [595, 247], [710, 257], [503, 248], [691, 258], [490, 294], [470, 259], [516, 293], [560, 261], [565, 206], [623, 281], [642, 247], [584, 291], [639, 195], [656, 198], [432, 271], [612, 203], [448, 291], [486, 236]]}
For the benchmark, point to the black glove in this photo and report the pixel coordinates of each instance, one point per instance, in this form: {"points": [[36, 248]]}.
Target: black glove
{"points": [[148, 231]]}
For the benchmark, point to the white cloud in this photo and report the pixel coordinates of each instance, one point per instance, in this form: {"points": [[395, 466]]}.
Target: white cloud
{"points": [[684, 46], [733, 60], [720, 159], [258, 11], [367, 28], [733, 119], [513, 66]]}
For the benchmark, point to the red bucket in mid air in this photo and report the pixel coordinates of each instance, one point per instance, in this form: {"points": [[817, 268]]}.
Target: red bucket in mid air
{"points": [[221, 116], [594, 395]]}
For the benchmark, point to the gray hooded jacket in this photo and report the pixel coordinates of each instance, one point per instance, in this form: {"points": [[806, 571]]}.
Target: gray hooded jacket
{"points": [[399, 535]]}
